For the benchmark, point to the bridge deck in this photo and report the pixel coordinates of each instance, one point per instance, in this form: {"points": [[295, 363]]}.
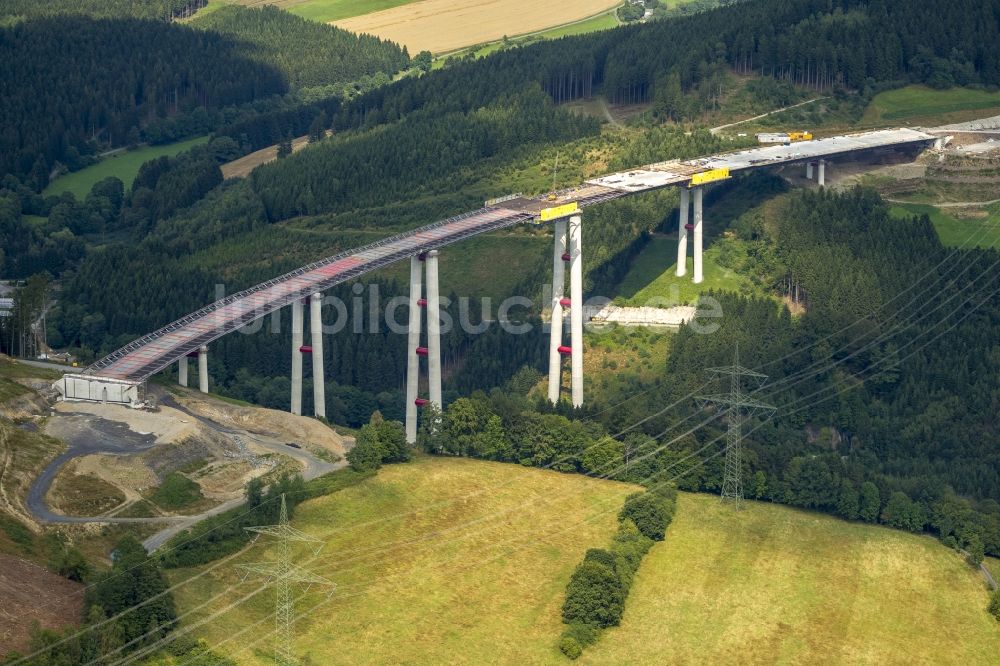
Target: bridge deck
{"points": [[153, 352]]}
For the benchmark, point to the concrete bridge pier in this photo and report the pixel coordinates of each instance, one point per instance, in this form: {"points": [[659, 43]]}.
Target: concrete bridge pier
{"points": [[433, 330], [182, 371], [425, 261], [203, 369], [556, 326], [576, 306], [413, 342], [809, 170], [821, 174], [682, 233], [698, 234], [297, 319], [567, 247], [316, 340]]}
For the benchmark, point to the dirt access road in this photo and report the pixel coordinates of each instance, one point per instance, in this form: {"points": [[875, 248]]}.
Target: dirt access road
{"points": [[86, 433]]}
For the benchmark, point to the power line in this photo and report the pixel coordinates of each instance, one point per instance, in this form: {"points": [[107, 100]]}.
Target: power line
{"points": [[710, 457], [665, 409], [799, 400], [283, 573], [739, 404], [835, 363]]}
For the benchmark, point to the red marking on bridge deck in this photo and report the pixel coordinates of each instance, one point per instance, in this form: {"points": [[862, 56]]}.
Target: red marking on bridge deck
{"points": [[337, 266], [233, 311]]}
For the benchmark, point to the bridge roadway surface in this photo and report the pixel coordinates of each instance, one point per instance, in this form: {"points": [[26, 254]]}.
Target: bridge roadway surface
{"points": [[151, 353]]}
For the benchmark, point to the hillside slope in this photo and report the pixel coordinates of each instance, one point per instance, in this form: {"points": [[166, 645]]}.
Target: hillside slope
{"points": [[459, 562], [769, 584], [311, 54], [778, 585]]}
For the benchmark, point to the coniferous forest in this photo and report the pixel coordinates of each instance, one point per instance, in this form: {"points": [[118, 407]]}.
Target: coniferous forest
{"points": [[311, 54], [15, 10], [117, 81]]}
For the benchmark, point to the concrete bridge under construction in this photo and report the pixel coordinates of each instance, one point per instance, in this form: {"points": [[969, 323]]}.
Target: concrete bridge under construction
{"points": [[120, 376]]}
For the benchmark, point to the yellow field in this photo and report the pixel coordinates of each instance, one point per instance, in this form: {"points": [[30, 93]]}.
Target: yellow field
{"points": [[459, 562], [440, 26], [776, 585], [454, 561]]}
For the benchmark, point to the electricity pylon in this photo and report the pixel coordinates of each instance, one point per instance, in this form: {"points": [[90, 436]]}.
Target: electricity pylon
{"points": [[283, 573], [739, 404]]}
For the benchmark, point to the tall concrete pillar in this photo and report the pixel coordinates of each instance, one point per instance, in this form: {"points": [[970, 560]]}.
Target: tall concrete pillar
{"points": [[316, 339], [698, 234], [433, 330], [821, 179], [809, 170], [413, 341], [682, 232], [297, 357], [576, 307], [203, 369], [182, 371], [556, 329]]}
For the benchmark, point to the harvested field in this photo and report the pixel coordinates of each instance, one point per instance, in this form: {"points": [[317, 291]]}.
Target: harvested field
{"points": [[440, 26], [242, 167], [30, 593]]}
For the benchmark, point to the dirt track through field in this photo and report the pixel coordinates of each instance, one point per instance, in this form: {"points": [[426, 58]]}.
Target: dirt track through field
{"points": [[440, 26]]}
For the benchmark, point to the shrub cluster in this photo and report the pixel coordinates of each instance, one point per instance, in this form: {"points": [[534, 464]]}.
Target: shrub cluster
{"points": [[595, 596], [176, 492], [378, 442], [226, 532]]}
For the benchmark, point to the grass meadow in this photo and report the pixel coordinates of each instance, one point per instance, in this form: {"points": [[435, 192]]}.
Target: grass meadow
{"points": [[124, 165], [436, 561], [652, 279], [772, 584], [922, 105], [982, 230], [458, 561]]}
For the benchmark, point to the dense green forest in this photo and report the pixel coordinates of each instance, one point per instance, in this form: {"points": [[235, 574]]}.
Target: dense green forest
{"points": [[164, 10], [121, 81], [819, 43], [392, 164], [908, 328], [64, 98], [311, 54]]}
